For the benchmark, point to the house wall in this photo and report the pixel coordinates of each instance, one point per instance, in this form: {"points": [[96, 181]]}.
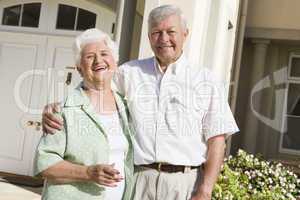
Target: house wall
{"points": [[273, 25], [277, 14], [268, 138]]}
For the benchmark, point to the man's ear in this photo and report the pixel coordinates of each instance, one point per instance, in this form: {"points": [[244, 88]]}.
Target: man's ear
{"points": [[186, 32]]}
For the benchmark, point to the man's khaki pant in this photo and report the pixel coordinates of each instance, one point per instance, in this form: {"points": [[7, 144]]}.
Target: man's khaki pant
{"points": [[154, 185]]}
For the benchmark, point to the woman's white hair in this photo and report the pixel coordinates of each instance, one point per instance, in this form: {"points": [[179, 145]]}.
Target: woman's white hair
{"points": [[90, 36], [162, 12]]}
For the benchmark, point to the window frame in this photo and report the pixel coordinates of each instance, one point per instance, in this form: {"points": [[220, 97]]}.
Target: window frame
{"points": [[22, 4], [292, 55], [48, 16], [285, 114], [76, 17]]}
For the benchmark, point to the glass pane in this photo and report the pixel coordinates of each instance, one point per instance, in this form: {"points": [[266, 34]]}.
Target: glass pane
{"points": [[293, 101], [295, 67], [11, 15], [31, 14], [66, 17], [85, 20], [291, 138]]}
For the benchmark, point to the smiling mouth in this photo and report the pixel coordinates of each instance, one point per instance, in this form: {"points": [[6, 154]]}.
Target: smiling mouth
{"points": [[164, 47], [100, 68]]}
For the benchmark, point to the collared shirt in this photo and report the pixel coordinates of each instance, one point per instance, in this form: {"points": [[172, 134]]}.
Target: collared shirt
{"points": [[83, 141], [173, 114]]}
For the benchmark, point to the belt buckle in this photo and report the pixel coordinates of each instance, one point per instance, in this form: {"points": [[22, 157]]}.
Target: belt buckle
{"points": [[159, 167], [187, 169]]}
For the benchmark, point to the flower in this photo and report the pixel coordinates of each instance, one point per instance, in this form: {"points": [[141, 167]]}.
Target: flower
{"points": [[249, 177]]}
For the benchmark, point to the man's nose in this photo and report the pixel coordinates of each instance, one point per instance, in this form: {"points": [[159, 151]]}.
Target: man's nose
{"points": [[164, 36]]}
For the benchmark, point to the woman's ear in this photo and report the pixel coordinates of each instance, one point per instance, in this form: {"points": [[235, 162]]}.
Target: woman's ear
{"points": [[79, 70]]}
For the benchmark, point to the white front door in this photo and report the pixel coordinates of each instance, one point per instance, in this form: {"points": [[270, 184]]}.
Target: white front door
{"points": [[19, 54], [33, 71]]}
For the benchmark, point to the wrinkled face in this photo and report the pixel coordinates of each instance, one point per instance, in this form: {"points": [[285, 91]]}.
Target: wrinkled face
{"points": [[97, 63], [167, 38]]}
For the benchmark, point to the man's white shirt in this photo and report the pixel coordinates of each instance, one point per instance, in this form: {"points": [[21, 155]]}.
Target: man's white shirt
{"points": [[173, 114]]}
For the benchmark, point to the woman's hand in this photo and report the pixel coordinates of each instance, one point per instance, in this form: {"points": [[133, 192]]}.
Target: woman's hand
{"points": [[104, 175]]}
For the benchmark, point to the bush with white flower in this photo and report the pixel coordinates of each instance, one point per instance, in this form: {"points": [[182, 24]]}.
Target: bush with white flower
{"points": [[246, 177]]}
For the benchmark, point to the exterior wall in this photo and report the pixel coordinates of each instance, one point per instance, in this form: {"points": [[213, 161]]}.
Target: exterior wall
{"points": [[268, 138], [137, 29], [220, 39], [276, 22], [276, 14]]}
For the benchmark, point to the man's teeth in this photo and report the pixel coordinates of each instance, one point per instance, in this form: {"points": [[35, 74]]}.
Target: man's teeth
{"points": [[165, 46]]}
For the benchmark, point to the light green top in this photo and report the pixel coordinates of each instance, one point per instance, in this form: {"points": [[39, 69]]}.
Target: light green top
{"points": [[82, 141]]}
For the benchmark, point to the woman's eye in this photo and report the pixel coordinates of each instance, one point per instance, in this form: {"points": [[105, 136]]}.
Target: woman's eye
{"points": [[89, 57]]}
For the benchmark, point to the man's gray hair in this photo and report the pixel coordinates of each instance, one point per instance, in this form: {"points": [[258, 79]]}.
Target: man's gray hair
{"points": [[162, 12], [90, 36]]}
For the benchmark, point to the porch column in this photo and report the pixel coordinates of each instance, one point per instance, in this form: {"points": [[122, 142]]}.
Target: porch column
{"points": [[125, 35], [251, 128]]}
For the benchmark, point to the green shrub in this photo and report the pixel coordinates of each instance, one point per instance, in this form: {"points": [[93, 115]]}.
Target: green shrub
{"points": [[246, 177]]}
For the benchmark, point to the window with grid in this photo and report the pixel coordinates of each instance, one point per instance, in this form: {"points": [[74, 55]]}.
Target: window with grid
{"points": [[290, 140], [74, 18], [26, 15]]}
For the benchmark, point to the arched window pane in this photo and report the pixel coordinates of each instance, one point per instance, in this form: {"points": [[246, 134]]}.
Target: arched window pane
{"points": [[31, 14], [11, 15], [66, 17], [85, 20], [295, 67]]}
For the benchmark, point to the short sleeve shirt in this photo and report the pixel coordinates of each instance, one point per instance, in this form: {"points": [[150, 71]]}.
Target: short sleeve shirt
{"points": [[173, 113]]}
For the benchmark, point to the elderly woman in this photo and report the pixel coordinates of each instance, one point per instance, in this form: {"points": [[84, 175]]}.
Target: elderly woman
{"points": [[91, 157]]}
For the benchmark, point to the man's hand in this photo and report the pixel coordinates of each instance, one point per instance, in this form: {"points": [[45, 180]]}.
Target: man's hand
{"points": [[215, 155], [104, 175], [50, 121], [201, 197], [202, 194]]}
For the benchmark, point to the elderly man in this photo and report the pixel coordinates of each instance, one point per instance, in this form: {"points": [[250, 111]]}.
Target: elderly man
{"points": [[180, 116]]}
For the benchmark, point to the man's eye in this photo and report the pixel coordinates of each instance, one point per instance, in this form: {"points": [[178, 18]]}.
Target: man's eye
{"points": [[171, 32]]}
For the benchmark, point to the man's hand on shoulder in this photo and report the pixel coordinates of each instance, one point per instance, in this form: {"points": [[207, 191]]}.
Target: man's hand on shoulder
{"points": [[50, 121]]}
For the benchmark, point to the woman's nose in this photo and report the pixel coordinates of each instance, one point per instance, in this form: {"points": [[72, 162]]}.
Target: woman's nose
{"points": [[97, 59]]}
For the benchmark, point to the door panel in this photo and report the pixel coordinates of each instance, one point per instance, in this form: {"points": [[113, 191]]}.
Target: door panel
{"points": [[60, 62], [20, 55], [33, 72]]}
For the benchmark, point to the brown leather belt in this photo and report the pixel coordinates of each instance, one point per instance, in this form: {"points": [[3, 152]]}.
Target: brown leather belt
{"points": [[170, 168]]}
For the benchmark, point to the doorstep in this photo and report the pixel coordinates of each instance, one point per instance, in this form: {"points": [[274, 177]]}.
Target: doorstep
{"points": [[17, 187]]}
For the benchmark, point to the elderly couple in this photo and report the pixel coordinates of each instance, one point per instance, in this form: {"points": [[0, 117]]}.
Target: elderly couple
{"points": [[152, 129]]}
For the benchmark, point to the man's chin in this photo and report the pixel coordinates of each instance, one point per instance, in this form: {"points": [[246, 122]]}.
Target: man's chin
{"points": [[166, 58]]}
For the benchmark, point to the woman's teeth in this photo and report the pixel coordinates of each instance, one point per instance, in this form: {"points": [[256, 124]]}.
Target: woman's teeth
{"points": [[100, 69]]}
